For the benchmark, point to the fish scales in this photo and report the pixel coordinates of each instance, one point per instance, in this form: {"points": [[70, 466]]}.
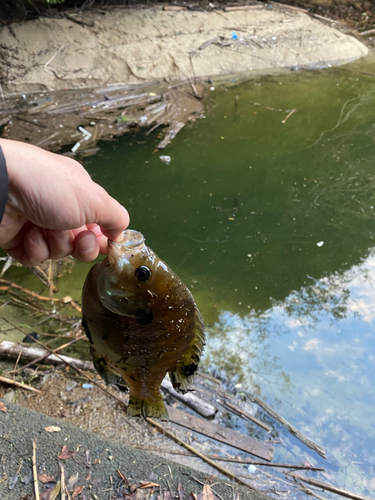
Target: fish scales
{"points": [[142, 322]]}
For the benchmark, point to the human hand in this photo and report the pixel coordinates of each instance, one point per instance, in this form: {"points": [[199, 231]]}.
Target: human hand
{"points": [[54, 209]]}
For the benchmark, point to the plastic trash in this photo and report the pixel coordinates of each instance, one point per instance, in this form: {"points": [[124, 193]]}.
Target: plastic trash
{"points": [[165, 159], [251, 468], [87, 386], [234, 36], [75, 147], [320, 243]]}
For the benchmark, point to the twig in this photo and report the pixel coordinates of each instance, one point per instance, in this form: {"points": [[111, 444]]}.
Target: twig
{"points": [[8, 381], [218, 467], [35, 473], [8, 284], [236, 460], [62, 481], [15, 366], [294, 110], [305, 440], [326, 486], [54, 55]]}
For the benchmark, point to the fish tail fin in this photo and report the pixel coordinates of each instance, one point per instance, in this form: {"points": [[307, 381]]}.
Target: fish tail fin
{"points": [[184, 372], [154, 408]]}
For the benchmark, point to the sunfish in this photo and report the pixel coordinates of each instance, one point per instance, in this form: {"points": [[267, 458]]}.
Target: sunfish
{"points": [[142, 322]]}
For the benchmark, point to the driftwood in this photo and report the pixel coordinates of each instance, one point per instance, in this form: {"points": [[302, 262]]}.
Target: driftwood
{"points": [[305, 440], [243, 7], [34, 354], [203, 408], [223, 434], [243, 414], [326, 486], [12, 350]]}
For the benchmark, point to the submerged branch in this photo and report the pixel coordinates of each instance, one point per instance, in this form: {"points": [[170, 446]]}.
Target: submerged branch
{"points": [[326, 486], [304, 439]]}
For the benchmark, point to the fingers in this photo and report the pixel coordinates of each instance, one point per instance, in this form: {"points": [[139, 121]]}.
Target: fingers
{"points": [[39, 245], [60, 243], [86, 247], [112, 217]]}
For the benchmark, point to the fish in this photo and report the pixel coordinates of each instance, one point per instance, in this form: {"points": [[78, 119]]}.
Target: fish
{"points": [[141, 322]]}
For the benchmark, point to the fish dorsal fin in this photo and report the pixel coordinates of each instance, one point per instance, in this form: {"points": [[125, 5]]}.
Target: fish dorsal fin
{"points": [[183, 374]]}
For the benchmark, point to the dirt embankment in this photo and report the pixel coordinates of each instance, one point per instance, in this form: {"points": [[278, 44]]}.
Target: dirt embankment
{"points": [[136, 60], [138, 45]]}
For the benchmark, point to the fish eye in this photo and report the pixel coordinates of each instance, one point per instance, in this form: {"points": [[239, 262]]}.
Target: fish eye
{"points": [[142, 273]]}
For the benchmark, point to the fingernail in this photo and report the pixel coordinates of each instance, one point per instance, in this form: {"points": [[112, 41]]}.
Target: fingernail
{"points": [[87, 244]]}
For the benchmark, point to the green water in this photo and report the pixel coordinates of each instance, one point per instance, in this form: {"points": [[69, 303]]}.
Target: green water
{"points": [[238, 214]]}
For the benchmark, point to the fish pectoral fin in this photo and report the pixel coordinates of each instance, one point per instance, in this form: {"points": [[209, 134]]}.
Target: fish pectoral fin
{"points": [[109, 376], [154, 408], [184, 372]]}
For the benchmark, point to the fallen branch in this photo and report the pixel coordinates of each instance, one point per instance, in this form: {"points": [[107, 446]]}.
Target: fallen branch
{"points": [[8, 381], [305, 440], [243, 7], [197, 453], [236, 460], [197, 404], [368, 32], [47, 357], [35, 473], [326, 486]]}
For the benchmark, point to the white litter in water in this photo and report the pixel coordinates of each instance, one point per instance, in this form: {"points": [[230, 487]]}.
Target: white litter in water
{"points": [[75, 147], [251, 468], [320, 243], [165, 159]]}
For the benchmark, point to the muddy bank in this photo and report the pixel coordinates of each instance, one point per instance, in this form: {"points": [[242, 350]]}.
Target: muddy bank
{"points": [[92, 49], [98, 74]]}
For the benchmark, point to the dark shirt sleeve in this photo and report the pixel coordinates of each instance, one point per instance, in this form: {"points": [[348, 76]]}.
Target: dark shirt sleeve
{"points": [[3, 184]]}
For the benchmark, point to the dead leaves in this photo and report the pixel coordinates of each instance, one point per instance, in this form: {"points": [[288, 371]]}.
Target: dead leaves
{"points": [[52, 428], [45, 478], [3, 408], [66, 454]]}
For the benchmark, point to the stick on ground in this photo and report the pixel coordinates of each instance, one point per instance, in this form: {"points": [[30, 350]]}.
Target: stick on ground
{"points": [[35, 473]]}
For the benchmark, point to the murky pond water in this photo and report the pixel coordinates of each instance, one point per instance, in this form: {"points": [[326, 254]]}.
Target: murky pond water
{"points": [[271, 224]]}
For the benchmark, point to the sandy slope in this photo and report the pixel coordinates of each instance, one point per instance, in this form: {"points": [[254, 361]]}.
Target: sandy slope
{"points": [[137, 45]]}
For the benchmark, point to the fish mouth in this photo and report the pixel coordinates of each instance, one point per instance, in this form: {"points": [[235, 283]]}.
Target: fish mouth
{"points": [[130, 240]]}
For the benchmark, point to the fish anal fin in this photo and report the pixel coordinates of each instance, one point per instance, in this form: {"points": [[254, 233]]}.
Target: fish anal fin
{"points": [[109, 376], [153, 408], [183, 374]]}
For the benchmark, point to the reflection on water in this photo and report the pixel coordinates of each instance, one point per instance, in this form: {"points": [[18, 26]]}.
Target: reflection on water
{"points": [[271, 225], [312, 356]]}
